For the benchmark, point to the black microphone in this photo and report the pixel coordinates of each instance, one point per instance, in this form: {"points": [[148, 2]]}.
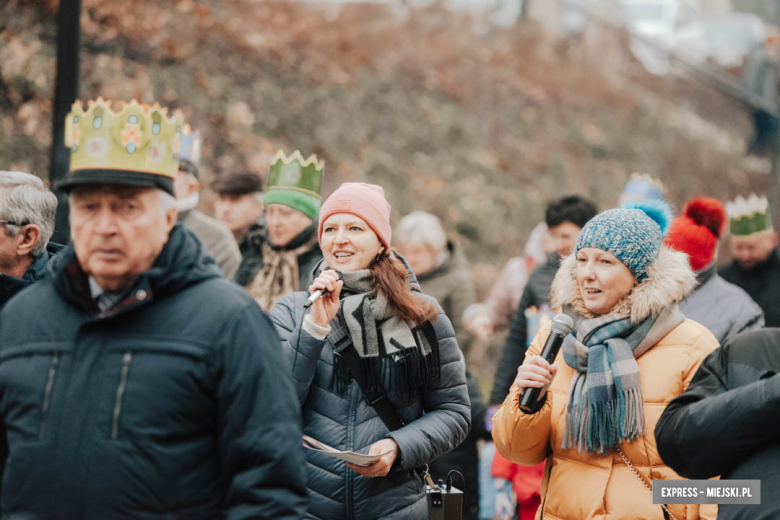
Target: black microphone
{"points": [[562, 325]]}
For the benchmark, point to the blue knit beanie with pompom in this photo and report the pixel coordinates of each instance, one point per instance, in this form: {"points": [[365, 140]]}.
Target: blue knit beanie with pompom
{"points": [[633, 233]]}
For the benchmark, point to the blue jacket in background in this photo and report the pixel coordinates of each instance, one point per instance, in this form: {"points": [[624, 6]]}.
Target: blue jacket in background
{"points": [[436, 422], [175, 403]]}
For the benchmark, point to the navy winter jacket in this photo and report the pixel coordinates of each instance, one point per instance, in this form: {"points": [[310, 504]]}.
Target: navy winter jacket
{"points": [[436, 422], [175, 403], [727, 422]]}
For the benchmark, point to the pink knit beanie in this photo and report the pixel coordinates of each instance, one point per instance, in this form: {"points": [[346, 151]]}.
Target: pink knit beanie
{"points": [[366, 201]]}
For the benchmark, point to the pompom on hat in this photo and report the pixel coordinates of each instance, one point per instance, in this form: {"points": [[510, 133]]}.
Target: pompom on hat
{"points": [[697, 231], [366, 201], [632, 233]]}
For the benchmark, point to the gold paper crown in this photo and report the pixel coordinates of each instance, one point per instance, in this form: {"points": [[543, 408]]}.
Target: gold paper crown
{"points": [[191, 147], [641, 186], [648, 179], [137, 138]]}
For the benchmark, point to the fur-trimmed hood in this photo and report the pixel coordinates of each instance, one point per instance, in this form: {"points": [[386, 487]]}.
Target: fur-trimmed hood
{"points": [[669, 280]]}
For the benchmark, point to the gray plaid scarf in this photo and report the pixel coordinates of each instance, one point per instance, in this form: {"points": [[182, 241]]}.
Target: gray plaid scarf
{"points": [[395, 353], [605, 404]]}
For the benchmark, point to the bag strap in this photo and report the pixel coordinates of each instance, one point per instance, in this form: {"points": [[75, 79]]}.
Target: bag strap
{"points": [[667, 514], [375, 394]]}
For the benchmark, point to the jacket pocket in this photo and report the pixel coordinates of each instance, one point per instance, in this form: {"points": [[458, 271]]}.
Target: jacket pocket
{"points": [[30, 376], [46, 404], [127, 359], [155, 387]]}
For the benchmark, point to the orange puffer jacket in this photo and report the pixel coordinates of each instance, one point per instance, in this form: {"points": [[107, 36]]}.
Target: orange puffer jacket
{"points": [[583, 486]]}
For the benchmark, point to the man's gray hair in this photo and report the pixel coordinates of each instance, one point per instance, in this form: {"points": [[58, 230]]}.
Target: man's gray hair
{"points": [[167, 201], [421, 228], [25, 200]]}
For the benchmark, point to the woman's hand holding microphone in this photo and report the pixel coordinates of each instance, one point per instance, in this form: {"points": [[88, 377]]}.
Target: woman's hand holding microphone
{"points": [[536, 372], [325, 309]]}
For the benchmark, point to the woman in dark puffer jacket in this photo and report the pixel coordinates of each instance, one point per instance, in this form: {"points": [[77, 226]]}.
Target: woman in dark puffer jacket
{"points": [[404, 343]]}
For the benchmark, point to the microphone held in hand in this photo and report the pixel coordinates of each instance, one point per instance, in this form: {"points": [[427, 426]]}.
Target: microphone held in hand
{"points": [[562, 326], [316, 295], [319, 293]]}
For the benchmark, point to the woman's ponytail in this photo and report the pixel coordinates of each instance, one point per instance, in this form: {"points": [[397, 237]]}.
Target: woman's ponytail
{"points": [[391, 278]]}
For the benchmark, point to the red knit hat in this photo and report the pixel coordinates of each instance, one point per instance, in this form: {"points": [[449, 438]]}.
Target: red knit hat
{"points": [[366, 201], [697, 230]]}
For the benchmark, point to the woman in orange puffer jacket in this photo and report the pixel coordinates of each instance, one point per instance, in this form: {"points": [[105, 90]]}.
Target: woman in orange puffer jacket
{"points": [[631, 352]]}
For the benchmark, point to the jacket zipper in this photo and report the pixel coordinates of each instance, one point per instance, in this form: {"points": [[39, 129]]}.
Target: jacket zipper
{"points": [[120, 392], [350, 441], [549, 474], [55, 361]]}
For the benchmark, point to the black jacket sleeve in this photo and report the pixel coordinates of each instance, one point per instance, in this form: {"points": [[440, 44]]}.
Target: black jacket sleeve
{"points": [[3, 457], [514, 350], [710, 428], [260, 423]]}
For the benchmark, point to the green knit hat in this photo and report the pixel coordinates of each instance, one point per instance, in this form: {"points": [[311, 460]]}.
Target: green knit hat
{"points": [[296, 183], [748, 217]]}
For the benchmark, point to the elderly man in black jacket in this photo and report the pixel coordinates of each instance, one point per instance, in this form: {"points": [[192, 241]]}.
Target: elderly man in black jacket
{"points": [[137, 382], [727, 422]]}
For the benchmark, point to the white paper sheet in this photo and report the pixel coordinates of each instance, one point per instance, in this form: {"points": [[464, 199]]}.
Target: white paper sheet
{"points": [[350, 456]]}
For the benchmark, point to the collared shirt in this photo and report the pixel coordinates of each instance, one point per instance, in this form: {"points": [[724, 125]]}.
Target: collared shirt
{"points": [[104, 300]]}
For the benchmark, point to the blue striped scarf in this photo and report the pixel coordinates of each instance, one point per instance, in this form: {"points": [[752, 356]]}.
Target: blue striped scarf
{"points": [[605, 404]]}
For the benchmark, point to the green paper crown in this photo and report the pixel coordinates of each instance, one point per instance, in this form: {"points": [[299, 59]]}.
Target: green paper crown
{"points": [[296, 182], [138, 138], [749, 216]]}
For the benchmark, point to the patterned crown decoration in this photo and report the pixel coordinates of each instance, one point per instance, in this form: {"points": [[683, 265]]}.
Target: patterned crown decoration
{"points": [[191, 145], [641, 186], [137, 142], [749, 216], [296, 182]]}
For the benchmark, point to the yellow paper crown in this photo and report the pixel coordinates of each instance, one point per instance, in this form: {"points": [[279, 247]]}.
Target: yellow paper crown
{"points": [[137, 138]]}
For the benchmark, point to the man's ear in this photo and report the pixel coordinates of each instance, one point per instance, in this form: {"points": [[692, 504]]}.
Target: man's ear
{"points": [[171, 215], [194, 185], [27, 239]]}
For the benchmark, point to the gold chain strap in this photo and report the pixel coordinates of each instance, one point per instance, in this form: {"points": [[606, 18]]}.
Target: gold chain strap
{"points": [[642, 480]]}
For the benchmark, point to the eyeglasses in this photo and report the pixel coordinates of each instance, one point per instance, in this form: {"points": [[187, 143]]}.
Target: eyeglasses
{"points": [[10, 223]]}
